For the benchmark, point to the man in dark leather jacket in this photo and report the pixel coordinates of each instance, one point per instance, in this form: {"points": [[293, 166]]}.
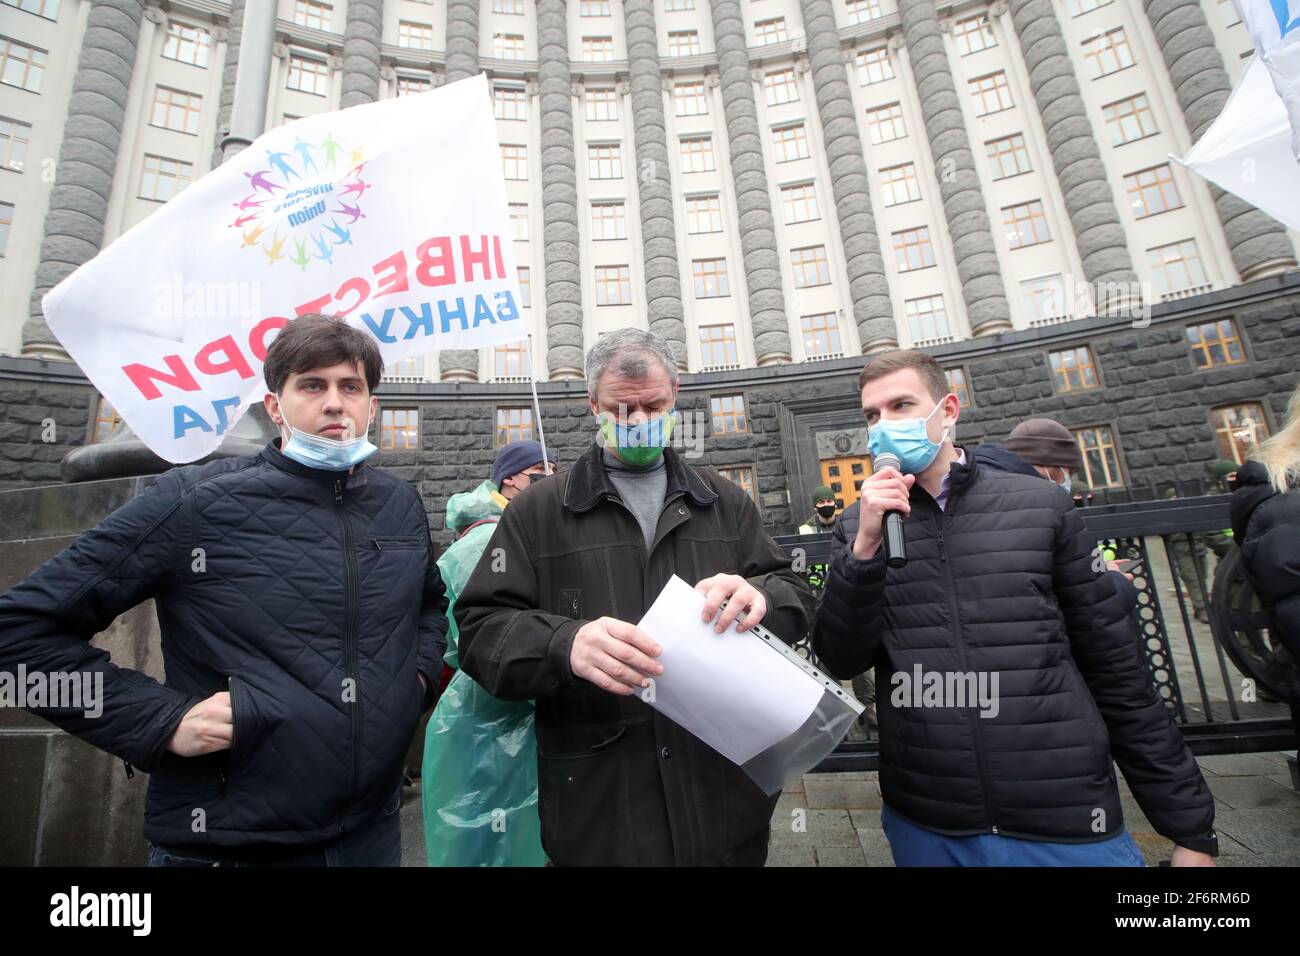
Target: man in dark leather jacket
{"points": [[302, 620], [580, 557]]}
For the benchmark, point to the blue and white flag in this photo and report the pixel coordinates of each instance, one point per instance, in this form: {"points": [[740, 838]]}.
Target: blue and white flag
{"points": [[1251, 149], [391, 215], [1274, 26]]}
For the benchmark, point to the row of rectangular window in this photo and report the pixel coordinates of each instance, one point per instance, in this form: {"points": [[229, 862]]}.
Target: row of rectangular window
{"points": [[608, 218], [1175, 266], [1150, 191], [600, 49], [601, 103], [586, 8], [1238, 429], [49, 9], [1105, 53], [1075, 366], [809, 265], [1127, 120], [1212, 344]]}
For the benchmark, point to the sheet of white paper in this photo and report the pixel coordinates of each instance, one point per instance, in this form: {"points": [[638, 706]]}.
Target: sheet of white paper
{"points": [[730, 690]]}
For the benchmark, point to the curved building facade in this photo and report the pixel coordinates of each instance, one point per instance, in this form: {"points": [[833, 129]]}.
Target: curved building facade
{"points": [[761, 181], [778, 187]]}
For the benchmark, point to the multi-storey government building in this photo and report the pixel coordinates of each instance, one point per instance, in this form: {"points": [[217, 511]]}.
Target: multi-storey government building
{"points": [[777, 186]]}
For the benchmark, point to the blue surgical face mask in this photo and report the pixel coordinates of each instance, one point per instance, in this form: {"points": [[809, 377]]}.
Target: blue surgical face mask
{"points": [[328, 454], [1066, 484], [908, 439]]}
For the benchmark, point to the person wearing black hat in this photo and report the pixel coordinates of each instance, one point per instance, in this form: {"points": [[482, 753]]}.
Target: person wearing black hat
{"points": [[1082, 494], [1225, 474], [517, 465], [824, 508]]}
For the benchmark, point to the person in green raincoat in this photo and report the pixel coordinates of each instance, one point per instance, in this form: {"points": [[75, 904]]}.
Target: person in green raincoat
{"points": [[479, 775]]}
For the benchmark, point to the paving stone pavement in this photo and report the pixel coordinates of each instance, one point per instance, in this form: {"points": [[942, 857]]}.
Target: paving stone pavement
{"points": [[1257, 815], [833, 819]]}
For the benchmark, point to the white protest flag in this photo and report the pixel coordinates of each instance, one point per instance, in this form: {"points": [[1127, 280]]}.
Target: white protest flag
{"points": [[1274, 27], [1247, 150], [392, 214]]}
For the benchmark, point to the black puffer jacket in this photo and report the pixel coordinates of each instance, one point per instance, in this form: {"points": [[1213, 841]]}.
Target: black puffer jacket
{"points": [[1003, 582], [1266, 527], [998, 458], [311, 590]]}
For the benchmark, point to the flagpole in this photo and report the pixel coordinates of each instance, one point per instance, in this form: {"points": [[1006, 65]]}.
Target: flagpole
{"points": [[537, 406], [252, 78], [123, 453]]}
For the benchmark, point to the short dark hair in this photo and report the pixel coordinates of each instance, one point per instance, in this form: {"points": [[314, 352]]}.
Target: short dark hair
{"points": [[318, 341], [926, 367]]}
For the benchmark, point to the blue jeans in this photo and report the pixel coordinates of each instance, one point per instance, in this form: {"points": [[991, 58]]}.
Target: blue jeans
{"points": [[376, 844], [914, 845]]}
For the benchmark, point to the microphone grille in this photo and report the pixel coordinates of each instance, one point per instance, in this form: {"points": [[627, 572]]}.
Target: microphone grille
{"points": [[887, 460]]}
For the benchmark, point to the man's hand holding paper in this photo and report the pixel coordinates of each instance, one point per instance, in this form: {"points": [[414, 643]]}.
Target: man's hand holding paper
{"points": [[615, 656]]}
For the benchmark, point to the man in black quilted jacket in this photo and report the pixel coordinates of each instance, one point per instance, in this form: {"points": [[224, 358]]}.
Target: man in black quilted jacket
{"points": [[302, 619], [1009, 675]]}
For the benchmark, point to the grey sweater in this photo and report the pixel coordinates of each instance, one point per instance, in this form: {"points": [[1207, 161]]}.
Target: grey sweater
{"points": [[642, 490]]}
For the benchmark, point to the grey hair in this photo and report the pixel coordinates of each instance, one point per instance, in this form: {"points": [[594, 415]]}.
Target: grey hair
{"points": [[627, 351]]}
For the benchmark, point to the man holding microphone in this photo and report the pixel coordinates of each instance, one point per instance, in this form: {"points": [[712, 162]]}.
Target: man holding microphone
{"points": [[994, 586]]}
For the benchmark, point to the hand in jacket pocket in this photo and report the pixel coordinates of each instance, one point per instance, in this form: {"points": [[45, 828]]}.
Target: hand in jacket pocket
{"points": [[208, 727]]}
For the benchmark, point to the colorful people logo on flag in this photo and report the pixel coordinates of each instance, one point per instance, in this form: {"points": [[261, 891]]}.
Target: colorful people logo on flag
{"points": [[296, 210]]}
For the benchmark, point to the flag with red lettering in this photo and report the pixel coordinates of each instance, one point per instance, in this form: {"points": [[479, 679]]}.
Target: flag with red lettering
{"points": [[392, 215]]}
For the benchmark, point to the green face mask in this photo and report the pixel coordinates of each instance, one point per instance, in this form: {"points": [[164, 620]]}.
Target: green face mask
{"points": [[641, 444]]}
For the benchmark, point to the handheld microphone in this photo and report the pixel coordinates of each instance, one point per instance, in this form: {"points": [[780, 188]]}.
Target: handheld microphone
{"points": [[894, 543]]}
